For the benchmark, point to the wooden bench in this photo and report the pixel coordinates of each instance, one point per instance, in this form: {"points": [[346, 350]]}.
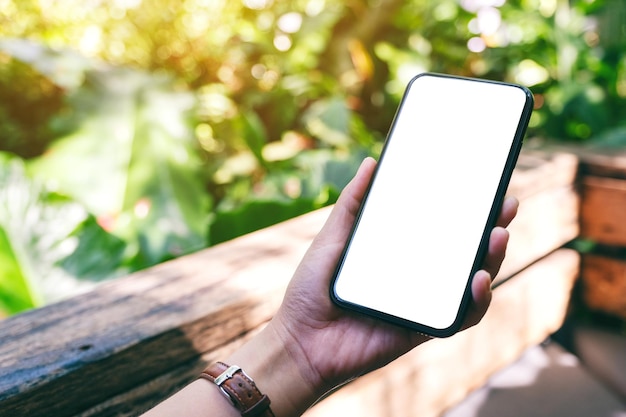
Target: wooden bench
{"points": [[128, 344], [592, 380], [603, 221]]}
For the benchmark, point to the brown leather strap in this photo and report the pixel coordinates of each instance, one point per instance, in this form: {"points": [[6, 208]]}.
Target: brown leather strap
{"points": [[240, 389]]}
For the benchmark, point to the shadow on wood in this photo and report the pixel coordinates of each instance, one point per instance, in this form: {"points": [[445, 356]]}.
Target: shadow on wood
{"points": [[127, 345]]}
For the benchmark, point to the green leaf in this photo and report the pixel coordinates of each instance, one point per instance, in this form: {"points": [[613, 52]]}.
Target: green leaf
{"points": [[15, 294], [97, 255], [612, 138], [164, 176], [254, 134], [65, 68], [255, 215], [314, 180], [132, 162], [326, 168], [329, 121], [40, 234]]}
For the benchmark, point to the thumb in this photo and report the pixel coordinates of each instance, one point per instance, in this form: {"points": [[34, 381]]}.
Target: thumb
{"points": [[337, 227]]}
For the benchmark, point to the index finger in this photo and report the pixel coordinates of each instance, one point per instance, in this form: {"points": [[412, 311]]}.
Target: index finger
{"points": [[508, 211]]}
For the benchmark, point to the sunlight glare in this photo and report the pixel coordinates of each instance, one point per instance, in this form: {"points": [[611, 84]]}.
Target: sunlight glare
{"points": [[489, 20], [127, 4], [547, 8], [445, 12], [420, 44], [472, 26], [91, 40], [7, 7], [282, 42], [257, 4], [514, 33], [142, 208], [314, 7], [214, 105], [476, 44], [530, 73], [474, 6], [116, 49], [258, 70], [290, 22], [265, 21]]}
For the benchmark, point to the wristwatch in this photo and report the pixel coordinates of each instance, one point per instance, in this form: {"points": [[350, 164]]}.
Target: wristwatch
{"points": [[239, 389]]}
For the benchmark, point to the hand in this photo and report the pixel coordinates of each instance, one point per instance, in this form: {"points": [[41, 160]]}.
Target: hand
{"points": [[311, 346], [331, 345]]}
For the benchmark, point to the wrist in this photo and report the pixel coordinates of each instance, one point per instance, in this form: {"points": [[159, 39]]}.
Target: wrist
{"points": [[276, 372]]}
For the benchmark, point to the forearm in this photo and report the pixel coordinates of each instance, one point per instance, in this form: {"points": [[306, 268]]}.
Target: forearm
{"points": [[266, 360], [197, 399], [311, 346]]}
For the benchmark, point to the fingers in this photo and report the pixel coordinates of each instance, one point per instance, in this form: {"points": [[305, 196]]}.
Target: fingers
{"points": [[351, 196], [324, 252], [508, 211], [496, 251], [481, 282], [481, 297], [499, 237], [342, 217]]}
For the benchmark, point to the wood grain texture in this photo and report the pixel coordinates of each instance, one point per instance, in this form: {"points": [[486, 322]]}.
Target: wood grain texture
{"points": [[126, 345], [435, 376], [594, 160], [604, 284], [72, 355], [547, 218], [537, 171], [146, 395], [603, 210], [545, 221], [607, 162], [603, 220]]}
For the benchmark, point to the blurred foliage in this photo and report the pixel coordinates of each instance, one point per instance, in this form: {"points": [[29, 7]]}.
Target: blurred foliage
{"points": [[173, 125], [49, 245]]}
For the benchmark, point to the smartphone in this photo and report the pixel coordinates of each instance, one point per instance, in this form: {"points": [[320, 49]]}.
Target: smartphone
{"points": [[423, 227]]}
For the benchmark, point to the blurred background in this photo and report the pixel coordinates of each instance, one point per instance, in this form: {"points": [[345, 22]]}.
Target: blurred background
{"points": [[136, 131]]}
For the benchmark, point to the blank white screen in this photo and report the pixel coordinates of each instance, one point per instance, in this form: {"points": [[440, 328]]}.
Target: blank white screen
{"points": [[415, 244]]}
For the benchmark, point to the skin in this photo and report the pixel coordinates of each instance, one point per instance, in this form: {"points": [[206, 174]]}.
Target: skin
{"points": [[311, 346]]}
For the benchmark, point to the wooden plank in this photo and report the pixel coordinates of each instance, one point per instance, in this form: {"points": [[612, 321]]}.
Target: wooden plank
{"points": [[75, 354], [545, 222], [603, 210], [537, 171], [604, 284], [525, 310], [548, 213], [144, 396], [111, 351], [601, 161]]}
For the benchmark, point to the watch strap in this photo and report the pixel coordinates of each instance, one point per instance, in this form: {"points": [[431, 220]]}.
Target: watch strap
{"points": [[239, 388]]}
